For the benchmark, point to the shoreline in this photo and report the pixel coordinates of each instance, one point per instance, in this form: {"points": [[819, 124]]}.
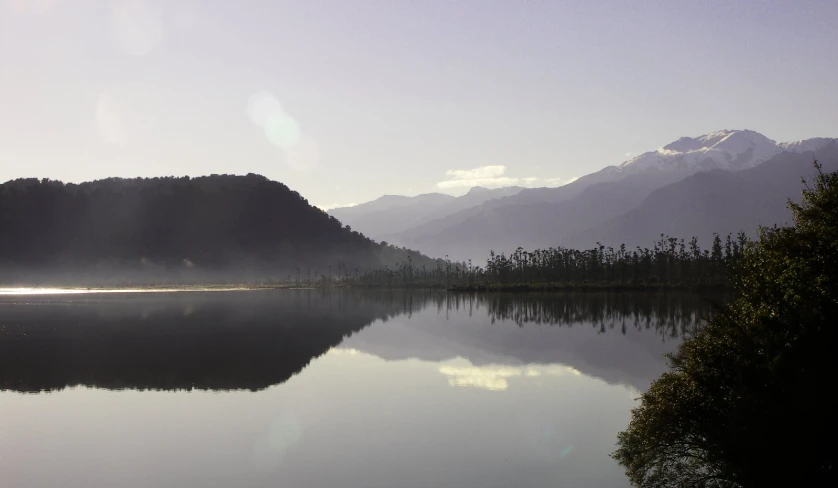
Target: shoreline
{"points": [[511, 288]]}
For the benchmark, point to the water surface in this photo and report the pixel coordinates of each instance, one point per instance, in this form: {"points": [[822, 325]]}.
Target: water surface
{"points": [[305, 388]]}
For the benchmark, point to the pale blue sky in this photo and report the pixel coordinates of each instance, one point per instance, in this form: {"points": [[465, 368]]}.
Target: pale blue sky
{"points": [[387, 96]]}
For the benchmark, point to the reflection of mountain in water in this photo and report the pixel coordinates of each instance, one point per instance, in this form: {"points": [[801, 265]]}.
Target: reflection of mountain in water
{"points": [[621, 338], [215, 340], [255, 339]]}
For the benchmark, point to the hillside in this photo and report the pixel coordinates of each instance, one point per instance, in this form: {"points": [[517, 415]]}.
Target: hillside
{"points": [[214, 228], [540, 224]]}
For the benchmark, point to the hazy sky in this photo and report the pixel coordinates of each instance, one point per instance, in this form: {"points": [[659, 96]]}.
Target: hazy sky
{"points": [[346, 100]]}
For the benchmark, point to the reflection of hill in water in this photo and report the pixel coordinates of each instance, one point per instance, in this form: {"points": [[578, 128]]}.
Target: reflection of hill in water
{"points": [[255, 339], [216, 340]]}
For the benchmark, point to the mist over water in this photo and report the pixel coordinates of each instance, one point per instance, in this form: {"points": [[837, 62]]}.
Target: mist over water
{"points": [[326, 388]]}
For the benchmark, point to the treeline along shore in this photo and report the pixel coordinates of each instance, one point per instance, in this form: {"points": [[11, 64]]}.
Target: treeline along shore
{"points": [[250, 231]]}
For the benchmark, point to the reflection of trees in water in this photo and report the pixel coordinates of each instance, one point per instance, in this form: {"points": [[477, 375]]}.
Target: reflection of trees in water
{"points": [[672, 315], [252, 340]]}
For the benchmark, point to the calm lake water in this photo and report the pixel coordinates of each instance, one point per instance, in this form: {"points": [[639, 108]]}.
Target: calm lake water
{"points": [[341, 389]]}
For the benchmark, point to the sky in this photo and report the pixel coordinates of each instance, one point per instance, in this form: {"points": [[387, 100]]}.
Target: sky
{"points": [[344, 101]]}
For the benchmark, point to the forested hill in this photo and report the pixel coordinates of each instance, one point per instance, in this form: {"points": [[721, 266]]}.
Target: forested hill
{"points": [[218, 228]]}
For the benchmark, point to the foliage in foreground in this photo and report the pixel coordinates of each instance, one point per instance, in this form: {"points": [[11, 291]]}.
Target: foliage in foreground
{"points": [[748, 401]]}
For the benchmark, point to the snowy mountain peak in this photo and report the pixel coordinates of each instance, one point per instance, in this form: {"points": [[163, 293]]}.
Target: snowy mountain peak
{"points": [[737, 141], [734, 140], [724, 149], [684, 144]]}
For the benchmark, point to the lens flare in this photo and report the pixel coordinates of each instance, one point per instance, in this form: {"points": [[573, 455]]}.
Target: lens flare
{"points": [[299, 151], [282, 130], [262, 106]]}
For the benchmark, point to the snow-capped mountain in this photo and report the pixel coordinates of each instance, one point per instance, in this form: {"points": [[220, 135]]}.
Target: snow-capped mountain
{"points": [[758, 176], [732, 150], [587, 210]]}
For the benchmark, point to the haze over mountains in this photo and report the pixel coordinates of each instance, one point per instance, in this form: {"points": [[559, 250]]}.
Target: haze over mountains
{"points": [[723, 182], [392, 214], [246, 228]]}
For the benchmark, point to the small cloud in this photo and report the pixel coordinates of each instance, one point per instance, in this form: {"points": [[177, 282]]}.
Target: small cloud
{"points": [[485, 176], [482, 172], [556, 182], [493, 177], [628, 154], [332, 206]]}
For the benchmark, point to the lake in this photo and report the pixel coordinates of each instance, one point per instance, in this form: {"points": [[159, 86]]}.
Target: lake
{"points": [[313, 388]]}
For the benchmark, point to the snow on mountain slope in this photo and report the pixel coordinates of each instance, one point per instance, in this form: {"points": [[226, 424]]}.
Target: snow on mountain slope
{"points": [[731, 150], [813, 144], [715, 201], [550, 216]]}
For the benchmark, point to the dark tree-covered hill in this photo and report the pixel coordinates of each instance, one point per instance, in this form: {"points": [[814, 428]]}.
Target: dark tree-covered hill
{"points": [[217, 228]]}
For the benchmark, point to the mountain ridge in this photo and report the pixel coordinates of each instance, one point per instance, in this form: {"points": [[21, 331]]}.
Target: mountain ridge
{"points": [[541, 217], [382, 218], [717, 201]]}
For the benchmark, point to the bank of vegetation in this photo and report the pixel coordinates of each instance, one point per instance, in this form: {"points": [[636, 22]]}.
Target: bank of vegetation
{"points": [[670, 263], [747, 401]]}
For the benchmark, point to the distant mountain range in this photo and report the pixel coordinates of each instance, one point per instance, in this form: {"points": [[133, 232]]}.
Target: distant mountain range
{"points": [[723, 182], [393, 214], [247, 228]]}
